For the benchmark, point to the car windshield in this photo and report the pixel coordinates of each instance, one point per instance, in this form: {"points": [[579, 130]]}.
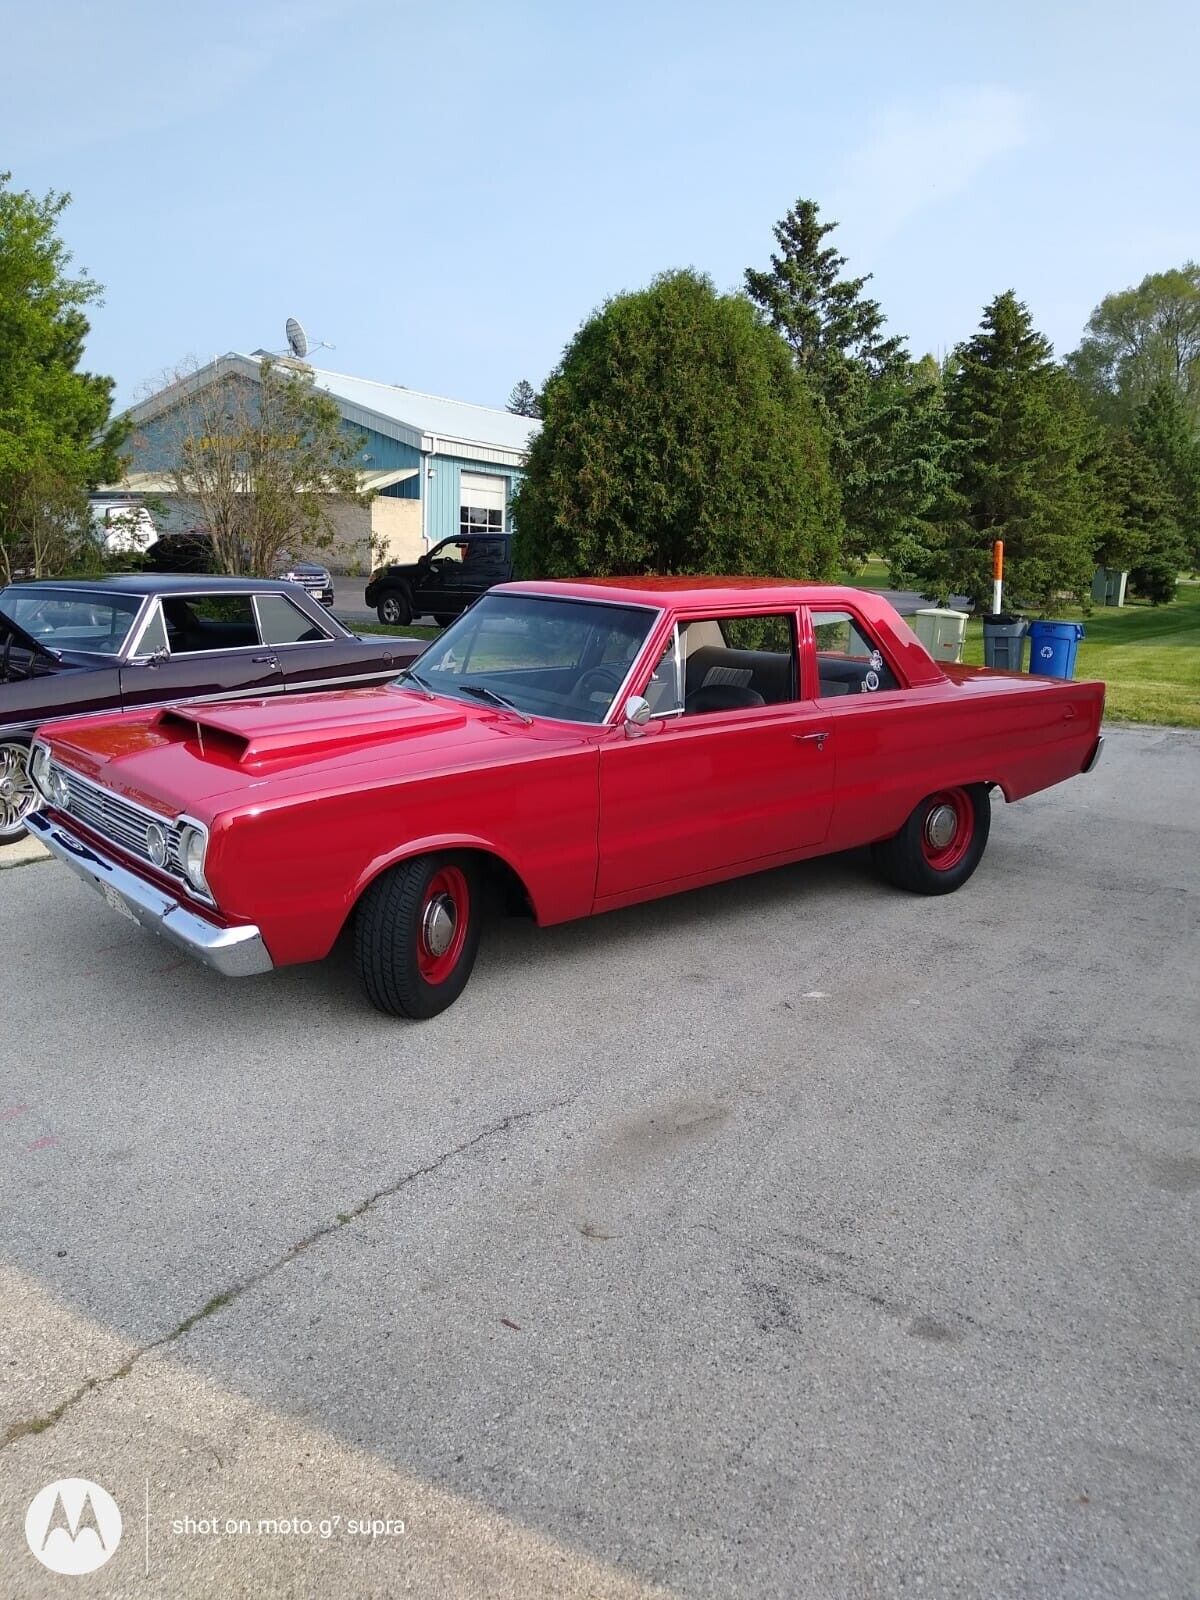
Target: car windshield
{"points": [[65, 619], [543, 656]]}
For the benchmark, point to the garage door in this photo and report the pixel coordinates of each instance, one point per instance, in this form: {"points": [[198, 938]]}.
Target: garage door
{"points": [[481, 503]]}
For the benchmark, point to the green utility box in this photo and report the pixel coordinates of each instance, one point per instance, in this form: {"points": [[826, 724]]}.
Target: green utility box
{"points": [[941, 631], [1108, 586]]}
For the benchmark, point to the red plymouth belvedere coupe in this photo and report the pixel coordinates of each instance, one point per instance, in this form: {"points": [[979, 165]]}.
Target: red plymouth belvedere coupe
{"points": [[588, 744]]}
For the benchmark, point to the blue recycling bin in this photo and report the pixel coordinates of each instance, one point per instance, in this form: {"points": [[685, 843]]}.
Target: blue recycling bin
{"points": [[1052, 648]]}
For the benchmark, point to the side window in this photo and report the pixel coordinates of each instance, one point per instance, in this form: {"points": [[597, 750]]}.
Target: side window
{"points": [[484, 555], [725, 664], [848, 659], [282, 622], [154, 635], [209, 622]]}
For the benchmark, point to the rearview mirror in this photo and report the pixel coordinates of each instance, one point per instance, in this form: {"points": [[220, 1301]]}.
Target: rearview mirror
{"points": [[637, 714]]}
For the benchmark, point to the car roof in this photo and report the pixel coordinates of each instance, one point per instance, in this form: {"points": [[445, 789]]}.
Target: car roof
{"points": [[676, 592], [144, 583]]}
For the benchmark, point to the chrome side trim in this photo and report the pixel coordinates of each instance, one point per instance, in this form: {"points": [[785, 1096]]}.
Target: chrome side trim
{"points": [[1097, 750], [236, 952]]}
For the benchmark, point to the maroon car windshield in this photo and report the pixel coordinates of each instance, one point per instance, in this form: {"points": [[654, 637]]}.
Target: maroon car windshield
{"points": [[65, 619]]}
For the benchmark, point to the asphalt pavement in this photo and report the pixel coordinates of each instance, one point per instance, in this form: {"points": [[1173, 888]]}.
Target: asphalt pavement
{"points": [[793, 1238]]}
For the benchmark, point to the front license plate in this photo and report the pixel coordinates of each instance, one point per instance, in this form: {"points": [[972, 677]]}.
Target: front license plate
{"points": [[115, 901]]}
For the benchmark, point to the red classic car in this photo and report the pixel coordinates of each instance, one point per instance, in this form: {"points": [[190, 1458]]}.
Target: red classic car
{"points": [[586, 744]]}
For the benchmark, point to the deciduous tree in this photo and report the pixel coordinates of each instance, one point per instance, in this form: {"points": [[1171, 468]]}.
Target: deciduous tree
{"points": [[1139, 338], [264, 460], [56, 436], [678, 438]]}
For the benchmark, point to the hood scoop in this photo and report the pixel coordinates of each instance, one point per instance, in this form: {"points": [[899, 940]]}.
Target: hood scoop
{"points": [[311, 726]]}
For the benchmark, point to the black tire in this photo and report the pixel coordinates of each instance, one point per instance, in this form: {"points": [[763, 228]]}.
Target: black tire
{"points": [[445, 618], [394, 608], [400, 971], [915, 860], [18, 797]]}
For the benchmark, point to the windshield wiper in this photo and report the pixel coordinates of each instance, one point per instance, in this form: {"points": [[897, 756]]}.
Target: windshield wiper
{"points": [[419, 681], [484, 693]]}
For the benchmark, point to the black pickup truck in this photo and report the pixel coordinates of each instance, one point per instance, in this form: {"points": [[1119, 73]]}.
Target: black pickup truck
{"points": [[444, 582]]}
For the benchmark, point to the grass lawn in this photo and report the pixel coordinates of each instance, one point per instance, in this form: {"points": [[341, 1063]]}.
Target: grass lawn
{"points": [[1148, 656], [408, 632], [874, 575]]}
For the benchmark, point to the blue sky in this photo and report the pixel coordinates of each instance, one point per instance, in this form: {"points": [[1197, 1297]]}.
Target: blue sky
{"points": [[444, 192]]}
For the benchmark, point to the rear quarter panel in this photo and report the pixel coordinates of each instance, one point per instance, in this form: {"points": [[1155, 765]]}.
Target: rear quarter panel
{"points": [[975, 726]]}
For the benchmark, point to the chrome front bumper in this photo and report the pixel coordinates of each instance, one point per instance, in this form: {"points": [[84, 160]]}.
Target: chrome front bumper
{"points": [[237, 952]]}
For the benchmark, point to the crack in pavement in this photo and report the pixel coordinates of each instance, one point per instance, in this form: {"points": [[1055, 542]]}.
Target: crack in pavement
{"points": [[26, 1426]]}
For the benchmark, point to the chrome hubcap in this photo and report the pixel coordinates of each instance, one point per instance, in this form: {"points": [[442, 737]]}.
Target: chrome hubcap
{"points": [[438, 924], [940, 826], [17, 793]]}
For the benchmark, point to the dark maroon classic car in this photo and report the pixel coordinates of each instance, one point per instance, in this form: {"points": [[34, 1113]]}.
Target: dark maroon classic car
{"points": [[70, 647]]}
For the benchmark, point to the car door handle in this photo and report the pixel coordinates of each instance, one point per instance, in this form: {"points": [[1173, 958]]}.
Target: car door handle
{"points": [[812, 738], [265, 661]]}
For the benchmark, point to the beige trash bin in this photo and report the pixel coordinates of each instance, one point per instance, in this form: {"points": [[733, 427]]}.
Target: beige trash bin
{"points": [[941, 632]]}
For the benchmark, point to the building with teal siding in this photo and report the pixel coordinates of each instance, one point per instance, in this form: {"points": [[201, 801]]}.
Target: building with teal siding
{"points": [[432, 467]]}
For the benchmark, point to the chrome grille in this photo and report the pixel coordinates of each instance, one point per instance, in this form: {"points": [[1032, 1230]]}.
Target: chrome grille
{"points": [[116, 819]]}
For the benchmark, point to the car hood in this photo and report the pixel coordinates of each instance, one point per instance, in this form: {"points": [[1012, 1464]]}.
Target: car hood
{"points": [[199, 758]]}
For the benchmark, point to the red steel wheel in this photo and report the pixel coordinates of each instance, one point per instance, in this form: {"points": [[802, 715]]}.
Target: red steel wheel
{"points": [[940, 844], [416, 934], [947, 828], [442, 927]]}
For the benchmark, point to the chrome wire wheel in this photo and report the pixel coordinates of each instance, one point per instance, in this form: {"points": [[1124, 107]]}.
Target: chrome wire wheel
{"points": [[18, 797]]}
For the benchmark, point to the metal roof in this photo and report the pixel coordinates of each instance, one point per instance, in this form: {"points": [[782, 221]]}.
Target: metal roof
{"points": [[427, 421], [431, 413]]}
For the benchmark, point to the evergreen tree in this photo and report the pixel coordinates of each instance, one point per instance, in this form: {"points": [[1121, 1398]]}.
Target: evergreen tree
{"points": [[1023, 458], [678, 438], [524, 401], [884, 419], [56, 440], [1163, 429], [1144, 537]]}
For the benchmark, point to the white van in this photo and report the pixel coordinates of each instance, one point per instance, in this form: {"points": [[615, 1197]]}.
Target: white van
{"points": [[122, 527]]}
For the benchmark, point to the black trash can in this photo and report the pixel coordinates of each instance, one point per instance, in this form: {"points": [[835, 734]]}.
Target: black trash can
{"points": [[1004, 641]]}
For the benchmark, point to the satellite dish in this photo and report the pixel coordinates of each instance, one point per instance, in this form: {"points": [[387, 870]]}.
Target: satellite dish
{"points": [[297, 338]]}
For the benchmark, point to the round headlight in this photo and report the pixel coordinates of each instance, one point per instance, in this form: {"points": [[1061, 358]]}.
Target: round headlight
{"points": [[156, 844], [58, 790], [192, 845]]}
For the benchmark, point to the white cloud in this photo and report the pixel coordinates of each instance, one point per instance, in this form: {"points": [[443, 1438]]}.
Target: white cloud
{"points": [[921, 154]]}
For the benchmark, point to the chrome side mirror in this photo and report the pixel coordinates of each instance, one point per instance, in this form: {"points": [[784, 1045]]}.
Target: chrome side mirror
{"points": [[637, 714]]}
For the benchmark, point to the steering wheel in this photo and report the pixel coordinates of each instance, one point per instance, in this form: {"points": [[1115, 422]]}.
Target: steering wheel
{"points": [[596, 678]]}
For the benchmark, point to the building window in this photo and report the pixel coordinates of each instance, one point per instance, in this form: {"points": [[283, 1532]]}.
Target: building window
{"points": [[480, 519]]}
